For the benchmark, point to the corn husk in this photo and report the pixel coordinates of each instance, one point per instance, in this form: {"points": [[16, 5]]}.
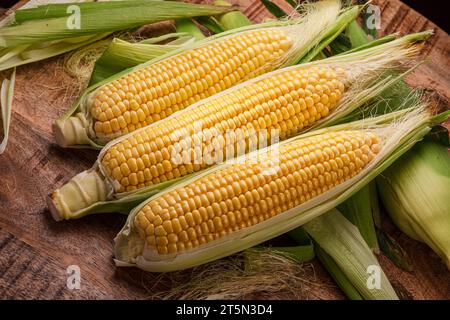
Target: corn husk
{"points": [[358, 210], [189, 27], [6, 101], [341, 241], [337, 274], [415, 190], [41, 32], [398, 137], [10, 19], [25, 54], [231, 20], [49, 22]]}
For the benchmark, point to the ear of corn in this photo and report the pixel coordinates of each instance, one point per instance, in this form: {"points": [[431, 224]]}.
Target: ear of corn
{"points": [[279, 104], [242, 203], [157, 89], [415, 191], [341, 241]]}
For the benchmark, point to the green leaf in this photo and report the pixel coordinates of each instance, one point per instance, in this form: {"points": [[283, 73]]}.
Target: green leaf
{"points": [[293, 3], [211, 24], [274, 9]]}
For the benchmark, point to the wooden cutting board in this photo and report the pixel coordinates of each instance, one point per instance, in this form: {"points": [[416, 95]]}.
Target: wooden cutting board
{"points": [[35, 251]]}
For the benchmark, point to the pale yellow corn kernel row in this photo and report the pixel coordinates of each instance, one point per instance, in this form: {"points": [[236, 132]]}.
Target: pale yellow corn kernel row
{"points": [[286, 102], [244, 194], [155, 92]]}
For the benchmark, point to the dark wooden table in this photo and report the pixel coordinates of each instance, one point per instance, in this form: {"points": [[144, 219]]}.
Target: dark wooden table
{"points": [[35, 251]]}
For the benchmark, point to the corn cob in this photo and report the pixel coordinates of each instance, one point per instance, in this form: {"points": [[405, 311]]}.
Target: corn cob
{"points": [[155, 92], [245, 194], [157, 89], [241, 203], [249, 116]]}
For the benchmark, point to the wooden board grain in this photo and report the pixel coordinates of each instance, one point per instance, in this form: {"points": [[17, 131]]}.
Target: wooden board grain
{"points": [[35, 251]]}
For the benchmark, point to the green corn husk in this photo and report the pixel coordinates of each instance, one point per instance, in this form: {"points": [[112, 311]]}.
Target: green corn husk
{"points": [[358, 210], [50, 22], [231, 20], [356, 35], [328, 10], [401, 135], [80, 63], [393, 98], [29, 42], [345, 248], [337, 274], [25, 54], [189, 27], [10, 19], [121, 55], [6, 101], [415, 190]]}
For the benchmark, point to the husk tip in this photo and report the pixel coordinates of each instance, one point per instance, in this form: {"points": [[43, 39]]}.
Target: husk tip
{"points": [[71, 131], [82, 191]]}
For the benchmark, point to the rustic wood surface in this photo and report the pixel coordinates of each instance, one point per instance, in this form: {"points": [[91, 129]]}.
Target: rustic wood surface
{"points": [[35, 250]]}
